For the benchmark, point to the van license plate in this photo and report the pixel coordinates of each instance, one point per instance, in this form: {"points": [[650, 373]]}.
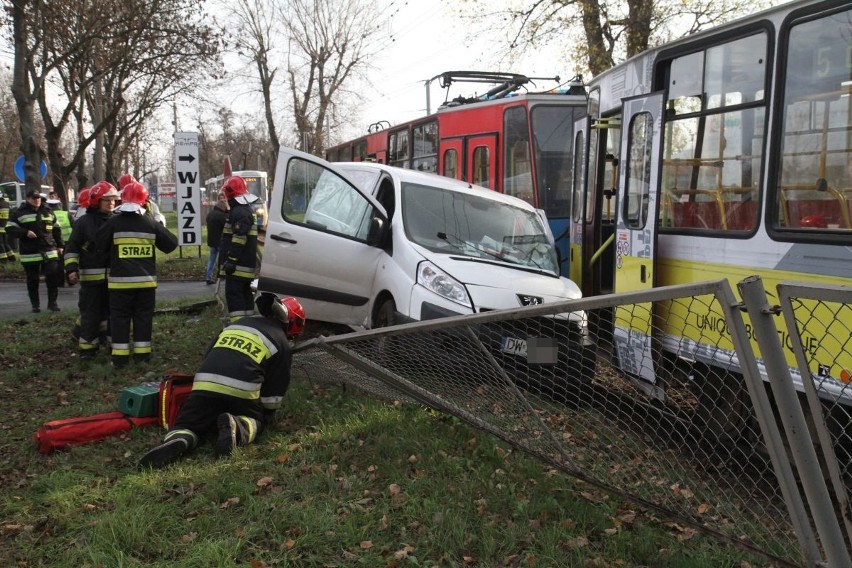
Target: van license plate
{"points": [[514, 346]]}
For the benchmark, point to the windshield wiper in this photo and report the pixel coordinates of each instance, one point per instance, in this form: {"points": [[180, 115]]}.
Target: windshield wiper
{"points": [[462, 247]]}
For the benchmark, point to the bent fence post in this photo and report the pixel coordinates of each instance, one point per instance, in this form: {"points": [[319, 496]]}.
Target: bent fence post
{"points": [[772, 436], [787, 292], [805, 457]]}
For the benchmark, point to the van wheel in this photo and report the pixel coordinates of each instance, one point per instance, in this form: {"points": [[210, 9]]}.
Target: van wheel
{"points": [[385, 314]]}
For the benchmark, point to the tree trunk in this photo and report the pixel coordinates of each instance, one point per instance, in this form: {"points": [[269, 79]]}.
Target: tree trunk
{"points": [[599, 57], [24, 99], [639, 28]]}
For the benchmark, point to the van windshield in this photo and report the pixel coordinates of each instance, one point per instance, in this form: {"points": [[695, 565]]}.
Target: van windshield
{"points": [[464, 224]]}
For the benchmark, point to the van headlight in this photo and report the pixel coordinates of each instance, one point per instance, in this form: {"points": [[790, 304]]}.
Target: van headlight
{"points": [[433, 278]]}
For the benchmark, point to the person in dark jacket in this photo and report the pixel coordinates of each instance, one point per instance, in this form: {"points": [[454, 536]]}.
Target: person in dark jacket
{"points": [[128, 240], [40, 244], [239, 385], [7, 254], [215, 224], [238, 252], [84, 265]]}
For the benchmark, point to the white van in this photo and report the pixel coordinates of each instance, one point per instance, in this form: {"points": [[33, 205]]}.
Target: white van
{"points": [[369, 245]]}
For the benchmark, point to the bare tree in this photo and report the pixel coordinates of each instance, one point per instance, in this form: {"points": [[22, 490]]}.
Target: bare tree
{"points": [[600, 34], [10, 130], [101, 54], [255, 40], [330, 41]]}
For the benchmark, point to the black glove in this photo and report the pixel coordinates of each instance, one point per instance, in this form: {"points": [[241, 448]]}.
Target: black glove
{"points": [[229, 267]]}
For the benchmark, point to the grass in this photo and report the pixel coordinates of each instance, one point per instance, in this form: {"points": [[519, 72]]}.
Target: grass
{"points": [[342, 479]]}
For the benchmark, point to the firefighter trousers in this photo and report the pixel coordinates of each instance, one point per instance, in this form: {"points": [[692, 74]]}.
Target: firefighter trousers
{"points": [[133, 307], [239, 297], [94, 310], [52, 278], [199, 413]]}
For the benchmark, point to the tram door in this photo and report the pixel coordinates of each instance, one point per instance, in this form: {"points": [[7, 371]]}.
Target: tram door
{"points": [[635, 232], [576, 262], [452, 158], [482, 160]]}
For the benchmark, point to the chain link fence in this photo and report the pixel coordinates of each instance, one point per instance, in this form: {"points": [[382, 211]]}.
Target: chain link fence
{"points": [[642, 394], [819, 346]]}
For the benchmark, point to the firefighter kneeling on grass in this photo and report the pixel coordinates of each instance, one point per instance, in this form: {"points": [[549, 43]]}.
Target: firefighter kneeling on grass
{"points": [[129, 239], [240, 384]]}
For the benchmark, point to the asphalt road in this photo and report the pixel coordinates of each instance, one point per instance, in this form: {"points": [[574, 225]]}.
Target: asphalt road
{"points": [[14, 301]]}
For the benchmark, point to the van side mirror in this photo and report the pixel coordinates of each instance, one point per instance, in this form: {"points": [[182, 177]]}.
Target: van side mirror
{"points": [[378, 229]]}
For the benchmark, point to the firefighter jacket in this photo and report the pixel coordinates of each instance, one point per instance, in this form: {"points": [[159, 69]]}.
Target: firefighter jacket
{"points": [[43, 223], [4, 214], [249, 360], [81, 253], [239, 240], [126, 243]]}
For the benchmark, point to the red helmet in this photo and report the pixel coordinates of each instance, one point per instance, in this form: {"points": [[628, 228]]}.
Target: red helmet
{"points": [[288, 311], [124, 180], [234, 187], [296, 320], [83, 198], [135, 192], [102, 190]]}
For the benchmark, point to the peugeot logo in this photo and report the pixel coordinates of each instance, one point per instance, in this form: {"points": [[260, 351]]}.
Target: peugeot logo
{"points": [[529, 300]]}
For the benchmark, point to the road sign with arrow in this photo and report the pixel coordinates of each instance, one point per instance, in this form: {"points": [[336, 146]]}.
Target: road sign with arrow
{"points": [[188, 188]]}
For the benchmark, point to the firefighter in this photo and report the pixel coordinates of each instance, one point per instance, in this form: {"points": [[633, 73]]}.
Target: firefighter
{"points": [[62, 216], [84, 265], [240, 384], [238, 248], [151, 208], [6, 252], [40, 244], [127, 242], [82, 203]]}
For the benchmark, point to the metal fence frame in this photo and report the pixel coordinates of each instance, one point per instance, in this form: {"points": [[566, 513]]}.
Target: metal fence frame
{"points": [[817, 507]]}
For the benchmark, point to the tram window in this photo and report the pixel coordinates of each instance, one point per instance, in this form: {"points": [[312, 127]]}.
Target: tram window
{"points": [[553, 128], [517, 162], [735, 72], [360, 151], [425, 138], [814, 189], [710, 172], [481, 165], [638, 174], [398, 149], [451, 163], [685, 83]]}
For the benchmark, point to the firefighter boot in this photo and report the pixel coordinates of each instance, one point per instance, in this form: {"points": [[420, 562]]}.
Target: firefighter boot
{"points": [[233, 431], [167, 452], [52, 294]]}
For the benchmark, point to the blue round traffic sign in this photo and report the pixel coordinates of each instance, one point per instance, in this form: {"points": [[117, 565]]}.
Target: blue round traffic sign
{"points": [[19, 168]]}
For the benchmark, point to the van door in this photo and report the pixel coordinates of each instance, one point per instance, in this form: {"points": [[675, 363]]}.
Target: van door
{"points": [[635, 238], [482, 160], [324, 250]]}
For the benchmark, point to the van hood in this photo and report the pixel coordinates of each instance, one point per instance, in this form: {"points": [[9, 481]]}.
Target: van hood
{"points": [[494, 285]]}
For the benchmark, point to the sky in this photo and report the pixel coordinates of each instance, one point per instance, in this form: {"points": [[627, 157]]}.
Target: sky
{"points": [[426, 38]]}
